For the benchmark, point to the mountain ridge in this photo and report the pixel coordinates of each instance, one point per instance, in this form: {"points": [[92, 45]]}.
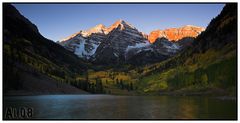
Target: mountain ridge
{"points": [[150, 36], [176, 34], [90, 44], [87, 44]]}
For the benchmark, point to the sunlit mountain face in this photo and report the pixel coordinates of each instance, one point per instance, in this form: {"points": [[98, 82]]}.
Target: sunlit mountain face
{"points": [[122, 42], [176, 34]]}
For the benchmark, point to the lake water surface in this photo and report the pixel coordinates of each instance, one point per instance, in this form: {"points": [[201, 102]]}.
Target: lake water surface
{"points": [[123, 107]]}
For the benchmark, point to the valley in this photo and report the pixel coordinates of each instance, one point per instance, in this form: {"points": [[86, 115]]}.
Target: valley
{"points": [[205, 67], [122, 60]]}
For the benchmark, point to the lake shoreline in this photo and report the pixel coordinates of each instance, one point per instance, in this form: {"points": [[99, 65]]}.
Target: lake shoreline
{"points": [[213, 92], [35, 93], [217, 96]]}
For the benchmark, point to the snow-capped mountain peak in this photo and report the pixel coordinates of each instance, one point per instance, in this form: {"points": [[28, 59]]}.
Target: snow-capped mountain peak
{"points": [[122, 42], [120, 24], [70, 37], [100, 28], [124, 24]]}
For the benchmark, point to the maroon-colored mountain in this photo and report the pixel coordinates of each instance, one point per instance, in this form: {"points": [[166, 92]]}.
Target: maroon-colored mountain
{"points": [[175, 34]]}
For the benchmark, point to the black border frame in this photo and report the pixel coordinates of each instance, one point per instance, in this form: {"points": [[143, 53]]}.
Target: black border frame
{"points": [[122, 119]]}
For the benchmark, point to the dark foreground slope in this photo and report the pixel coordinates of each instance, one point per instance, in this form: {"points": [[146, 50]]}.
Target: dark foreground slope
{"points": [[209, 66], [33, 64]]}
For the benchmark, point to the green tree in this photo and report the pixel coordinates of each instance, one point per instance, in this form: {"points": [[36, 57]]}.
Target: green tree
{"points": [[106, 81], [204, 79], [131, 86], [121, 84], [99, 86]]}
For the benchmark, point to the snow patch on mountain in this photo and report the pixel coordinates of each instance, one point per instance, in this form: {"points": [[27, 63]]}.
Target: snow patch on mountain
{"points": [[173, 46], [138, 45], [95, 46], [115, 54], [81, 51]]}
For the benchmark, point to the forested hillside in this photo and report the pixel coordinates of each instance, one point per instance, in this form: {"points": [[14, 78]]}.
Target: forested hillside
{"points": [[32, 63], [211, 64]]}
